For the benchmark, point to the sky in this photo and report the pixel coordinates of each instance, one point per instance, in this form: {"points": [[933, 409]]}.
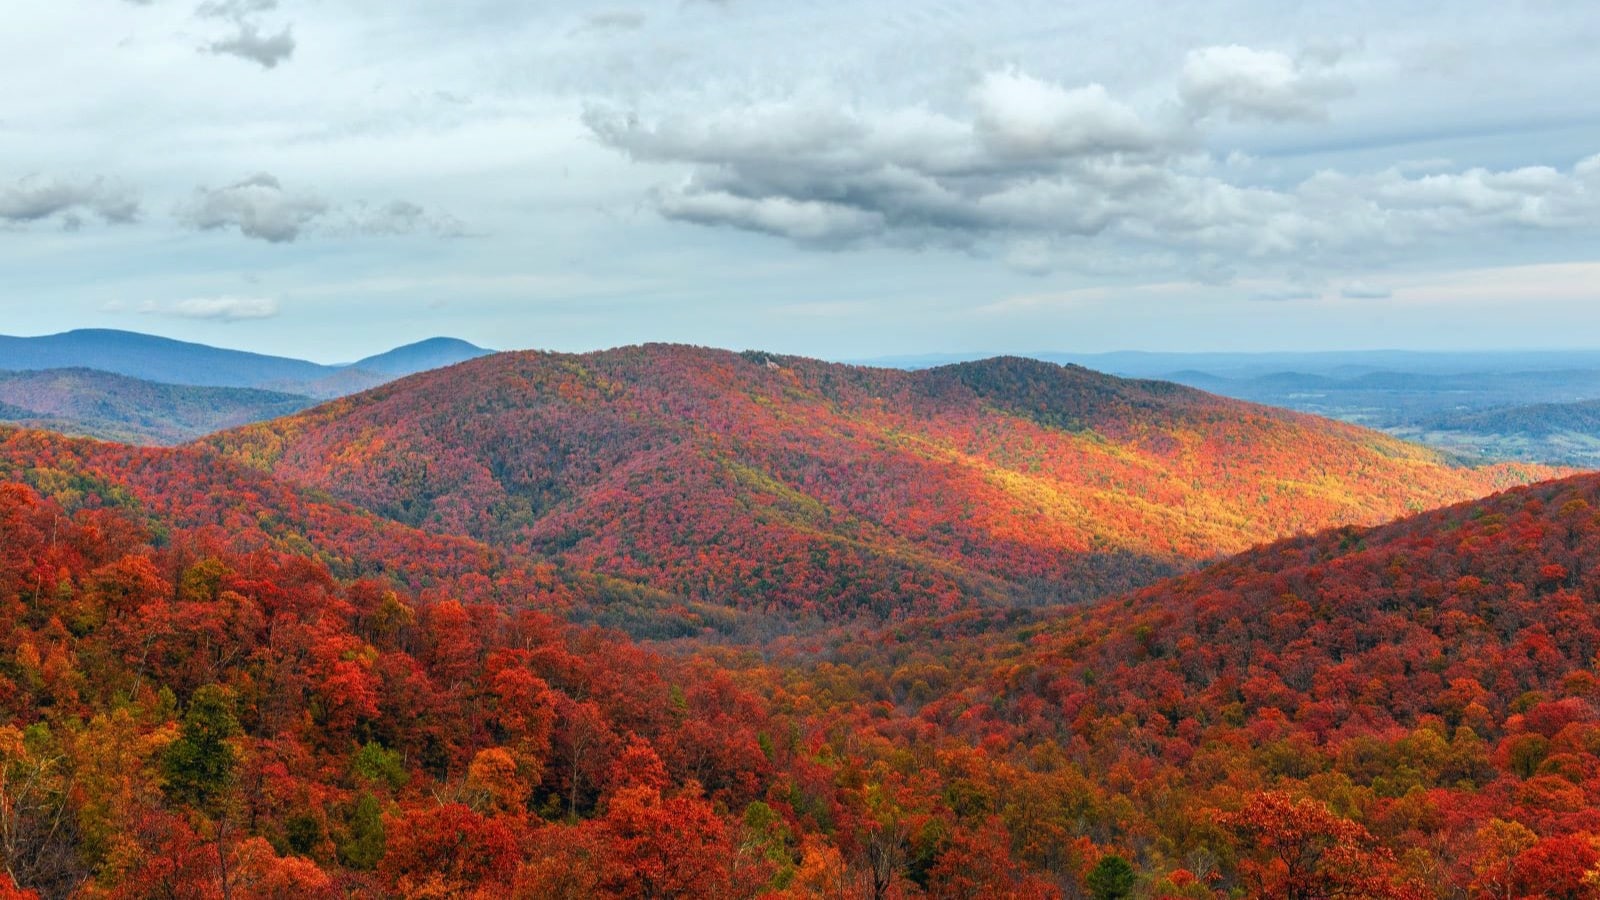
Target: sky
{"points": [[330, 178]]}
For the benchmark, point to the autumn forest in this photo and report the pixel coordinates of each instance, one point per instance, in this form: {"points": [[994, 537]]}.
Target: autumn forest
{"points": [[665, 622]]}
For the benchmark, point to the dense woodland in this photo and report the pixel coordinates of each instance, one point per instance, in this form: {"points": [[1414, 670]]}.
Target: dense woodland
{"points": [[217, 683]]}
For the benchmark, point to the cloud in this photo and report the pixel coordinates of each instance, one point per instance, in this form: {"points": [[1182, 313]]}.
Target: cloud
{"points": [[1285, 295], [1242, 83], [258, 206], [614, 20], [262, 208], [402, 217], [1360, 290], [806, 221], [1027, 163], [221, 309], [34, 198], [248, 41], [1019, 116]]}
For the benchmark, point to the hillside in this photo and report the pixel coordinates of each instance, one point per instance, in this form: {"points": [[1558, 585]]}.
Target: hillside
{"points": [[785, 483], [167, 361], [1406, 711], [119, 408]]}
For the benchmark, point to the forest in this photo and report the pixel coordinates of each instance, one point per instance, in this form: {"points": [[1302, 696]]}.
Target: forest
{"points": [[223, 677]]}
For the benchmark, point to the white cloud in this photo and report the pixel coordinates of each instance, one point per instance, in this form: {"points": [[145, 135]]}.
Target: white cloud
{"points": [[1285, 294], [1361, 290], [1018, 116], [1243, 83], [221, 309]]}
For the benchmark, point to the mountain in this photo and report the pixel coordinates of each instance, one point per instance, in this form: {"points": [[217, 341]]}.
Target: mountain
{"points": [[119, 408], [180, 362], [434, 353], [781, 483]]}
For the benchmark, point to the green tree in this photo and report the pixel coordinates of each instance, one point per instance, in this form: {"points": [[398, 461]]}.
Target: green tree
{"points": [[1111, 879], [365, 845], [199, 765]]}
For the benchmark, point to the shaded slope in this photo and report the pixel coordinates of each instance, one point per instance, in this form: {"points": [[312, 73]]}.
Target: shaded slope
{"points": [[780, 482], [116, 407]]}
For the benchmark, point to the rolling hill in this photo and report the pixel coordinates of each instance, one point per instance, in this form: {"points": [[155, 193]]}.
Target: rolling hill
{"points": [[119, 408], [780, 483]]}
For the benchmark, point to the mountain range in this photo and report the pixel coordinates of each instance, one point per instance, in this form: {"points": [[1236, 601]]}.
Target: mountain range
{"points": [[168, 361]]}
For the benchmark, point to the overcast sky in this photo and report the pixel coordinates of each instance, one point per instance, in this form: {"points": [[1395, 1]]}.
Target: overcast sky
{"points": [[328, 178]]}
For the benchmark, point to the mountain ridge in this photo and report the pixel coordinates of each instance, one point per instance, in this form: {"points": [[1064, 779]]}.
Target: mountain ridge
{"points": [[766, 478]]}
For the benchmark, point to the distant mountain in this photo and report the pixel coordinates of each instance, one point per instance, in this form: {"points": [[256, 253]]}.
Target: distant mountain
{"points": [[782, 483], [1337, 363], [1535, 420], [116, 407], [181, 362], [434, 353], [154, 359]]}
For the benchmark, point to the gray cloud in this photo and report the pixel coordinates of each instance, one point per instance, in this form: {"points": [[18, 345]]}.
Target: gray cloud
{"points": [[258, 206], [249, 41], [261, 207], [614, 20], [1031, 163], [34, 198], [1242, 83]]}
